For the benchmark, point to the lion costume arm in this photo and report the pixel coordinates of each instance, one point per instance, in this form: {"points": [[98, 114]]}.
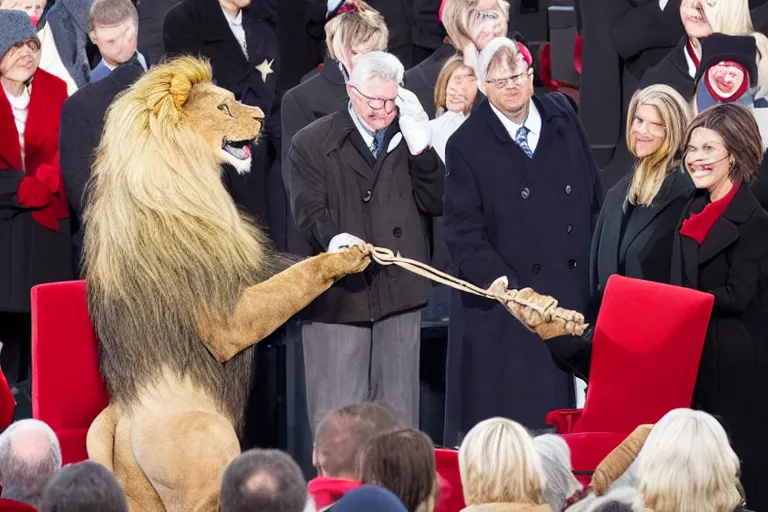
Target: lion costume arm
{"points": [[264, 307]]}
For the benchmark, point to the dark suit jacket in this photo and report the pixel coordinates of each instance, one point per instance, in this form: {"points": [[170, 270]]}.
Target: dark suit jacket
{"points": [[421, 79], [151, 16], [82, 121]]}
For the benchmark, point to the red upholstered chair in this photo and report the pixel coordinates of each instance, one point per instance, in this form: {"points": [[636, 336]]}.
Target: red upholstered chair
{"points": [[645, 356], [451, 496], [588, 450], [7, 403], [15, 506], [67, 390]]}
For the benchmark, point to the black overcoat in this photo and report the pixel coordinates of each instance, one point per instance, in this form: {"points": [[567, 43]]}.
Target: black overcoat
{"points": [[532, 221], [421, 79], [338, 187], [732, 384]]}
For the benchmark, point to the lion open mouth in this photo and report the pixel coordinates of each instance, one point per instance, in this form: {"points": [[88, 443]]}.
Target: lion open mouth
{"points": [[239, 149]]}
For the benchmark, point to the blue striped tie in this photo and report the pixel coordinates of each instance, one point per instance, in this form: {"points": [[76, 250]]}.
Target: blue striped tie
{"points": [[522, 140]]}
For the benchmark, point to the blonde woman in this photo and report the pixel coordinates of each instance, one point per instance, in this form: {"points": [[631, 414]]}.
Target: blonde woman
{"points": [[687, 465], [472, 24], [455, 94], [500, 469]]}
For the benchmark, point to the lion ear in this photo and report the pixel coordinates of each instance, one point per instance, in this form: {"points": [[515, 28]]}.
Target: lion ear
{"points": [[180, 88]]}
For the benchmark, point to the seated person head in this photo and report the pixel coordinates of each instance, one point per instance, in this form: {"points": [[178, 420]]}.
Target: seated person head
{"points": [[29, 456], [373, 87], [343, 432], [33, 8], [456, 87], [84, 487], [475, 22], [113, 26], [355, 30]]}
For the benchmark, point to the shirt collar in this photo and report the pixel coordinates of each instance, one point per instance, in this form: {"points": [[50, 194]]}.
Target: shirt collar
{"points": [[689, 61], [359, 123], [532, 122], [235, 21]]}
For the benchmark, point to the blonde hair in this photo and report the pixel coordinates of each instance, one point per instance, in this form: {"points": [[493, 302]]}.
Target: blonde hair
{"points": [[361, 27], [688, 465], [498, 464], [729, 17], [451, 66], [650, 171], [460, 15]]}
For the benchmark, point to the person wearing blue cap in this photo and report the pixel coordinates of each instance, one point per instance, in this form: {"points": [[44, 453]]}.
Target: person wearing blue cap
{"points": [[369, 498]]}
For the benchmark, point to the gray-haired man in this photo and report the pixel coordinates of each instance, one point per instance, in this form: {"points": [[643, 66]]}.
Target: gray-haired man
{"points": [[367, 174]]}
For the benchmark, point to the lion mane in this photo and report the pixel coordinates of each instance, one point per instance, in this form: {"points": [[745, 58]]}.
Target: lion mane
{"points": [[164, 242]]}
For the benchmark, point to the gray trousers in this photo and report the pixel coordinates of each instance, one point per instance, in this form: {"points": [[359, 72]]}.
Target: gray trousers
{"points": [[348, 364]]}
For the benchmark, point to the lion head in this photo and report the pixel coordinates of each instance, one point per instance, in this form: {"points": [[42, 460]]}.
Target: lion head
{"points": [[164, 240]]}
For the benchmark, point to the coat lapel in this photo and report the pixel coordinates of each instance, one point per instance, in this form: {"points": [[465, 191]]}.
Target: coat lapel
{"points": [[723, 234], [10, 151], [214, 29], [43, 120], [608, 259]]}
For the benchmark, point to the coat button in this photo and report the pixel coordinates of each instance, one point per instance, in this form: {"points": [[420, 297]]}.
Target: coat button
{"points": [[569, 228], [525, 193], [536, 268], [367, 196], [397, 232], [567, 190], [572, 263]]}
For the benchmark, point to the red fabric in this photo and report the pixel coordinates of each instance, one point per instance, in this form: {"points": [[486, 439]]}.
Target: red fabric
{"points": [[451, 496], [645, 355], [737, 94], [7, 403], [698, 225], [588, 450], [545, 69], [15, 506], [440, 12], [67, 390], [578, 49], [692, 54], [42, 186], [327, 491]]}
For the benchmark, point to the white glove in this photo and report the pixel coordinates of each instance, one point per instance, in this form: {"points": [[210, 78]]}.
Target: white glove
{"points": [[344, 241], [442, 129], [470, 56], [414, 122]]}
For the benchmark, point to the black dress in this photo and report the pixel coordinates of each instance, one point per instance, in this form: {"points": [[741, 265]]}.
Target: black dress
{"points": [[732, 384]]}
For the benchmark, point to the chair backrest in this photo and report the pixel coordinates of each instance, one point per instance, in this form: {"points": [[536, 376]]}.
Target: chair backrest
{"points": [[645, 354], [451, 495], [67, 389]]}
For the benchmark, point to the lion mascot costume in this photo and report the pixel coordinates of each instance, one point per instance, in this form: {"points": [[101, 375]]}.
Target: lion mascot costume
{"points": [[181, 286]]}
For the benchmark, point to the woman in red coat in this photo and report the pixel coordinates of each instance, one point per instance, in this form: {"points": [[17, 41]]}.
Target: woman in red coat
{"points": [[35, 242]]}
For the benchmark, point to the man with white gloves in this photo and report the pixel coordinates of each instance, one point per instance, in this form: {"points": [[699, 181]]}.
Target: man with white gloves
{"points": [[367, 174]]}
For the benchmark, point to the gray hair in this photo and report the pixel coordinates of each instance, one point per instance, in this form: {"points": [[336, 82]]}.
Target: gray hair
{"points": [[555, 457], [26, 465], [112, 12], [486, 56], [381, 65]]}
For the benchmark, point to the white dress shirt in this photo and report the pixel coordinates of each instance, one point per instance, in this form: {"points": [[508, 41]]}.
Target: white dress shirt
{"points": [[689, 60], [364, 130], [236, 26], [20, 110], [532, 122]]}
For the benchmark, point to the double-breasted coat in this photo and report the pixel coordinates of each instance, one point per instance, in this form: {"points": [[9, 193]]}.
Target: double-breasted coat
{"points": [[532, 221], [338, 187], [32, 253], [732, 383]]}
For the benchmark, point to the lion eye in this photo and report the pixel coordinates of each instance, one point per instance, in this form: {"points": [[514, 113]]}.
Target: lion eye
{"points": [[224, 108]]}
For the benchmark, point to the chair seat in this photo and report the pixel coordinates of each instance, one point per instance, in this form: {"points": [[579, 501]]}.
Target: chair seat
{"points": [[588, 449]]}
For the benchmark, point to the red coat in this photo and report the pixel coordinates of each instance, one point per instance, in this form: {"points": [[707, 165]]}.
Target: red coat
{"points": [[34, 228]]}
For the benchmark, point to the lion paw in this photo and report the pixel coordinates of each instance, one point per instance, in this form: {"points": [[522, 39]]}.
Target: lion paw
{"points": [[352, 260]]}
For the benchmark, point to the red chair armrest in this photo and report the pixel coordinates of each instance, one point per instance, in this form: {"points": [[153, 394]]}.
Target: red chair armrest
{"points": [[563, 419]]}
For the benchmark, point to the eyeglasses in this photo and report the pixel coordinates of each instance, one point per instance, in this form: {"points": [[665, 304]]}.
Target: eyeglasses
{"points": [[501, 83], [377, 103]]}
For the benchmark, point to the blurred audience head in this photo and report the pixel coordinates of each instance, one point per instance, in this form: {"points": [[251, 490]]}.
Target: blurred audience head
{"points": [[343, 432], [505, 75], [402, 461], [19, 48], [560, 484], [499, 464], [373, 88], [84, 487], [656, 122], [358, 30], [702, 18], [29, 456], [456, 87], [688, 465], [32, 8], [475, 21], [369, 498], [113, 26], [265, 480]]}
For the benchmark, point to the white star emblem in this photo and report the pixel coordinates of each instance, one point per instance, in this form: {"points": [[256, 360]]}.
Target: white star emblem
{"points": [[265, 68]]}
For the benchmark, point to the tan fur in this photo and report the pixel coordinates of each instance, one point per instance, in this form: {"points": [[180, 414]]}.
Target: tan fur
{"points": [[180, 287]]}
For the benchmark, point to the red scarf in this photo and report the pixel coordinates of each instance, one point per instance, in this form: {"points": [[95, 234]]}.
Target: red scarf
{"points": [[692, 54], [698, 225], [327, 491]]}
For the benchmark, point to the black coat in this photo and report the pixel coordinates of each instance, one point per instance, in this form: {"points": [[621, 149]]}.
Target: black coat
{"points": [[414, 29], [338, 187], [321, 94], [300, 49], [82, 121], [732, 383], [199, 27], [529, 220], [421, 79], [151, 16]]}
